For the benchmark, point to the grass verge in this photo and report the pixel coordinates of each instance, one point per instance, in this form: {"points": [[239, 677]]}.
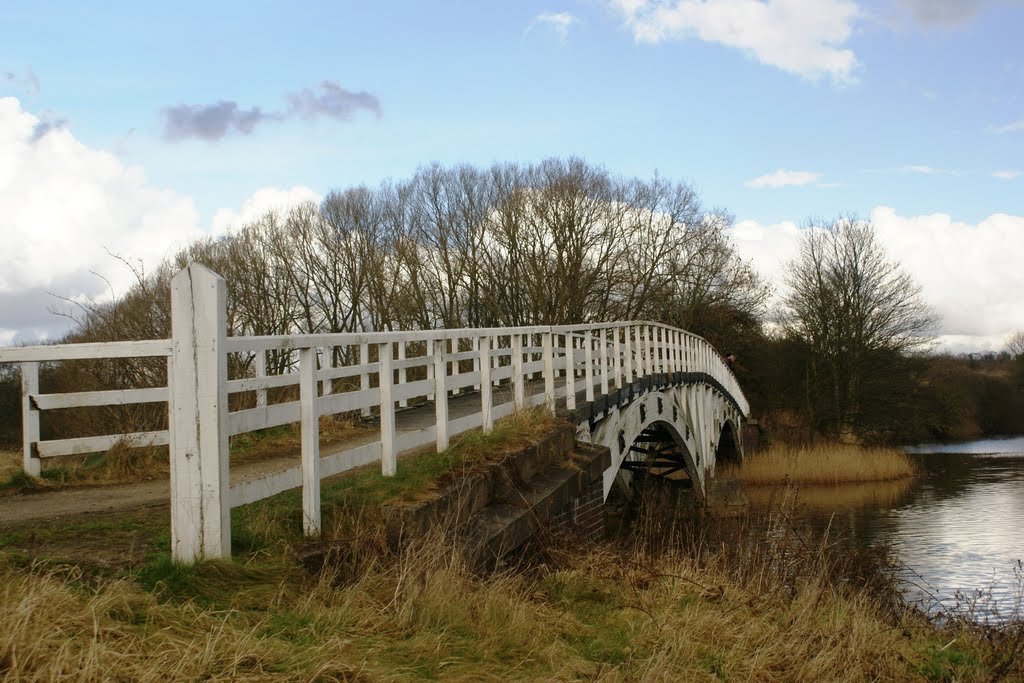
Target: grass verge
{"points": [[822, 464]]}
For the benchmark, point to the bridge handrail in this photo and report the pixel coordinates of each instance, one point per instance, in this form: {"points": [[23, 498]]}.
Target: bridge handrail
{"points": [[582, 357], [295, 342]]}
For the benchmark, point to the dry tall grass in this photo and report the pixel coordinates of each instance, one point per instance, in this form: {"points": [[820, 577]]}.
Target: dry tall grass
{"points": [[10, 464], [657, 606], [646, 610], [822, 464]]}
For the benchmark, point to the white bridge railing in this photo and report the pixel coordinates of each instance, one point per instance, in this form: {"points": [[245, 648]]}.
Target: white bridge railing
{"points": [[386, 369]]}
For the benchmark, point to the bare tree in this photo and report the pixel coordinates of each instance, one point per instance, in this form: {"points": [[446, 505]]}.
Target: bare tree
{"points": [[1015, 344], [857, 312]]}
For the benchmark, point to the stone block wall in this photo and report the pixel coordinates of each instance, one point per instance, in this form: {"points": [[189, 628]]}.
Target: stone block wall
{"points": [[584, 515]]}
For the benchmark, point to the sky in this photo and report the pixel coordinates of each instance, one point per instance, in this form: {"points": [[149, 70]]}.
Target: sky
{"points": [[133, 128]]}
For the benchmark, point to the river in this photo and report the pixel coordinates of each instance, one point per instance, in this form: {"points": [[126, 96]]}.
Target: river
{"points": [[957, 530]]}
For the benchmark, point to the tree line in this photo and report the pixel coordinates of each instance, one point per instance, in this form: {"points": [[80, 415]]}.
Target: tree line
{"points": [[558, 242], [561, 241]]}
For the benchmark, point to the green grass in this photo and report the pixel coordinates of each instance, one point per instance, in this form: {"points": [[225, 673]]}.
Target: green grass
{"points": [[948, 663]]}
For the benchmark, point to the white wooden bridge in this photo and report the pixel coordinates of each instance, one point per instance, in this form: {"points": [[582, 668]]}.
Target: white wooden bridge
{"points": [[627, 385]]}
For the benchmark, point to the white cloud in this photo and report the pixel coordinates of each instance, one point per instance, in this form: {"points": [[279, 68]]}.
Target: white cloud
{"points": [[1007, 175], [970, 273], [768, 247], [559, 22], [259, 203], [65, 205], [783, 178], [1009, 127], [920, 169], [804, 37]]}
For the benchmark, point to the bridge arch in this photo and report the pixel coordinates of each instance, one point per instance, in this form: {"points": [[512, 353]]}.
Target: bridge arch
{"points": [[728, 449], [695, 417]]}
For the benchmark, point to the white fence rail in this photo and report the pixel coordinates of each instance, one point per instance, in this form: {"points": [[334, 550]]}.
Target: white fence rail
{"points": [[427, 366]]}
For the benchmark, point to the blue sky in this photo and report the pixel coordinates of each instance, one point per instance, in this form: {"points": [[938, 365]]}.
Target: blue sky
{"points": [[775, 110]]}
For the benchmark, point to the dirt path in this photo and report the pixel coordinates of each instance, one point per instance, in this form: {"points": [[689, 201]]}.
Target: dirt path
{"points": [[33, 507]]}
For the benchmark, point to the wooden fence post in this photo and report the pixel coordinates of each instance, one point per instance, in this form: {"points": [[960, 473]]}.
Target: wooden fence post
{"points": [[588, 365], [487, 416], [617, 367], [388, 456], [602, 356], [198, 412], [476, 360], [401, 372], [440, 395], [518, 381], [547, 345], [628, 355], [364, 376], [310, 433], [569, 344], [455, 365], [30, 460], [652, 351], [261, 371]]}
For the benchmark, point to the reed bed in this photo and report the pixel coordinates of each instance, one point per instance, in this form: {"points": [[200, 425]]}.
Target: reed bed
{"points": [[822, 464]]}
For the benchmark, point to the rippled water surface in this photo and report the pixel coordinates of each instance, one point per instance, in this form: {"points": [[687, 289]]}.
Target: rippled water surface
{"points": [[958, 530]]}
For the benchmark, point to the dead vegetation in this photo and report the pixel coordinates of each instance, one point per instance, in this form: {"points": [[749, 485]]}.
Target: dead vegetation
{"points": [[822, 464], [664, 603]]}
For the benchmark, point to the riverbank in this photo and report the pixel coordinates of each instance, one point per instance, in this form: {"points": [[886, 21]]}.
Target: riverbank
{"points": [[658, 604], [606, 613], [821, 464]]}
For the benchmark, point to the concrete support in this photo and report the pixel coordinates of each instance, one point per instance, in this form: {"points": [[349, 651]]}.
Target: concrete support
{"points": [[200, 511]]}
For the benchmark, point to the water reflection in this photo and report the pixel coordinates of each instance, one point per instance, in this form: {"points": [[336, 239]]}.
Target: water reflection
{"points": [[1009, 446], [882, 495], [958, 530]]}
